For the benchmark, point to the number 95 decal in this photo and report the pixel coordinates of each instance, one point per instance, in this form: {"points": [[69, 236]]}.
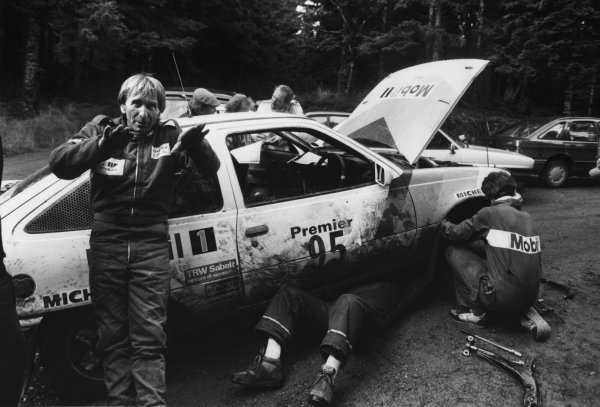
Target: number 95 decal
{"points": [[316, 247]]}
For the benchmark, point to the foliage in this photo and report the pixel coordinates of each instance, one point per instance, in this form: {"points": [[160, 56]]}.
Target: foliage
{"points": [[544, 53], [47, 130]]}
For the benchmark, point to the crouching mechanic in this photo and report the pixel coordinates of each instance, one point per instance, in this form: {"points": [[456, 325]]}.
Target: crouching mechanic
{"points": [[344, 323], [506, 278], [132, 160]]}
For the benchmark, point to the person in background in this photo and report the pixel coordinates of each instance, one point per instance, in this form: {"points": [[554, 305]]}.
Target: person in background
{"points": [[282, 101], [13, 351], [238, 103], [132, 160], [506, 278], [344, 324], [203, 102], [595, 172]]}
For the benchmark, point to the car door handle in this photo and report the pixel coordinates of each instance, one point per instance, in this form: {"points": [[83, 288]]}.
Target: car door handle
{"points": [[257, 230]]}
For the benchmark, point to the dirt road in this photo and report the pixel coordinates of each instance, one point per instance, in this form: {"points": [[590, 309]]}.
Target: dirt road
{"points": [[418, 362]]}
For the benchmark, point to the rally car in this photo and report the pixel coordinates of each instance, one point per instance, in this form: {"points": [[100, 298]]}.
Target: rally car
{"points": [[294, 202]]}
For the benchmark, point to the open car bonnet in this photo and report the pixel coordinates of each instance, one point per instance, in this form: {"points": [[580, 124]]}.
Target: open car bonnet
{"points": [[405, 110]]}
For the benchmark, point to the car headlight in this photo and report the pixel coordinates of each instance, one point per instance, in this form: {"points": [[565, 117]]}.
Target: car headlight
{"points": [[24, 285]]}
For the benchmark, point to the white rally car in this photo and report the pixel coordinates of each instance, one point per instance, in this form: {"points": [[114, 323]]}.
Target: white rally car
{"points": [[445, 148], [293, 202]]}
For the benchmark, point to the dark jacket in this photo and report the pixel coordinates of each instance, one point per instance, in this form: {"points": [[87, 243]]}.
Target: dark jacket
{"points": [[134, 183], [512, 250]]}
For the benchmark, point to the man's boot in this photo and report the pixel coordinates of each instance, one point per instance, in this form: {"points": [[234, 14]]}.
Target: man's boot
{"points": [[321, 393], [264, 372]]}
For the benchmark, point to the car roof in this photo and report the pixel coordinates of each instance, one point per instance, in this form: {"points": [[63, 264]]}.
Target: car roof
{"points": [[219, 118], [326, 113]]}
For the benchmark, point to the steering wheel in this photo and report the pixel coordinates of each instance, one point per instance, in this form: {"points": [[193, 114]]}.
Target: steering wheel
{"points": [[330, 161]]}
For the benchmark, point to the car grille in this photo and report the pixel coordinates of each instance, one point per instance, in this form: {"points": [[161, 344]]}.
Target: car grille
{"points": [[72, 212]]}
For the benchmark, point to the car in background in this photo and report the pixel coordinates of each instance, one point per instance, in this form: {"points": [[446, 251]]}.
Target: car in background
{"points": [[329, 119], [281, 209], [561, 148], [445, 148], [177, 101], [506, 137]]}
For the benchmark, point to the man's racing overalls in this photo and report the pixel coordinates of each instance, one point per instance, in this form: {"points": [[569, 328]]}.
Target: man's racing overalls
{"points": [[129, 249]]}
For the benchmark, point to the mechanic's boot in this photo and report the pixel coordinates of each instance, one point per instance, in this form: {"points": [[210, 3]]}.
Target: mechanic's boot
{"points": [[321, 393], [264, 372]]}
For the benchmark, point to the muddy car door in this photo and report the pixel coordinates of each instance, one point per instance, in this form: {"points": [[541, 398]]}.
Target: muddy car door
{"points": [[310, 210], [581, 144], [204, 262]]}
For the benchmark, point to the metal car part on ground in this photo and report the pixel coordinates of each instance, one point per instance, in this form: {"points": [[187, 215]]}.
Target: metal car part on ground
{"points": [[280, 210]]}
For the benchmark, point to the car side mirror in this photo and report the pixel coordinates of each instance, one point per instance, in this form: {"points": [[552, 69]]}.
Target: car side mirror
{"points": [[452, 149], [383, 175]]}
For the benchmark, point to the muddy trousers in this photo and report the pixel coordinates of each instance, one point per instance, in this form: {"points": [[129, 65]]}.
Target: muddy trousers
{"points": [[129, 281], [12, 344], [469, 271], [344, 322]]}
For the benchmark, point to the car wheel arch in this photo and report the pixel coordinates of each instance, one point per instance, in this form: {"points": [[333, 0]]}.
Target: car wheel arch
{"points": [[56, 337], [465, 209]]}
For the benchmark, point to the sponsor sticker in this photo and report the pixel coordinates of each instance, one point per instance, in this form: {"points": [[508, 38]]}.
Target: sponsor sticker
{"points": [[514, 241], [161, 151], [413, 90], [221, 288], [469, 193], [210, 272], [67, 297], [111, 167]]}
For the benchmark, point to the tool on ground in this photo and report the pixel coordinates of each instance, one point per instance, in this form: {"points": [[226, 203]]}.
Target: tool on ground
{"points": [[544, 309], [521, 370], [569, 295], [536, 324], [504, 348]]}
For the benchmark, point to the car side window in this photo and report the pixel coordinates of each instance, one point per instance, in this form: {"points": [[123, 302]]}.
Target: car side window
{"points": [[284, 164], [583, 131], [439, 142], [553, 133], [195, 194]]}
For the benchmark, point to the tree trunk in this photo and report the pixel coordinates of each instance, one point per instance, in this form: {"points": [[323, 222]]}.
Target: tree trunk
{"points": [[435, 23], [480, 22], [384, 28], [350, 77], [591, 99], [568, 96], [31, 69]]}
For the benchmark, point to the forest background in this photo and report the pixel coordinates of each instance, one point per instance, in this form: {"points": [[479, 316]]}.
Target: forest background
{"points": [[62, 61]]}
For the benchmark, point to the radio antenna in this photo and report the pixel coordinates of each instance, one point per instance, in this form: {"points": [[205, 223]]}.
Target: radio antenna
{"points": [[189, 112]]}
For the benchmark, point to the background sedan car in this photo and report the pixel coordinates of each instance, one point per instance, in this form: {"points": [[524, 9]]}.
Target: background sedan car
{"points": [[562, 148], [445, 148]]}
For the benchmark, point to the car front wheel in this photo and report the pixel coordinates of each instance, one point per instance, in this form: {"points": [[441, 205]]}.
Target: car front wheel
{"points": [[68, 351], [555, 174]]}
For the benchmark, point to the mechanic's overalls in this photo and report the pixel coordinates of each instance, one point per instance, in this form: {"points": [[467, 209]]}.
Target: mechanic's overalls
{"points": [[506, 278], [344, 322]]}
